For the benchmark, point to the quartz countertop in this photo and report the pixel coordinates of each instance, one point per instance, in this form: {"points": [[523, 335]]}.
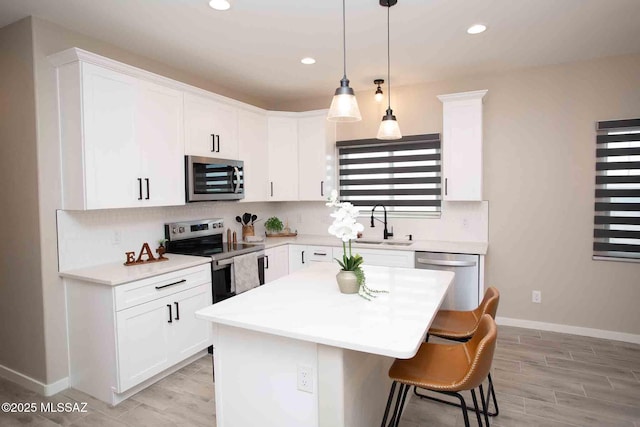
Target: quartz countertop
{"points": [[117, 273], [478, 248], [308, 306]]}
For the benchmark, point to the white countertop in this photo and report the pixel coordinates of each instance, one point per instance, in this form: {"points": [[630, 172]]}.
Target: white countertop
{"points": [[117, 273], [308, 306], [479, 248]]}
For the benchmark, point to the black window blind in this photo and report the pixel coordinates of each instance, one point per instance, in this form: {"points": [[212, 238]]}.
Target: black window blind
{"points": [[403, 175], [617, 208]]}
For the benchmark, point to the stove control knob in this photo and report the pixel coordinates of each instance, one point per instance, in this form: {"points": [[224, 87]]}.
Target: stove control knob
{"points": [[181, 230], [215, 225], [174, 230]]}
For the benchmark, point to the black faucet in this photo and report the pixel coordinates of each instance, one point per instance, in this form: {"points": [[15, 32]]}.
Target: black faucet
{"points": [[386, 233]]}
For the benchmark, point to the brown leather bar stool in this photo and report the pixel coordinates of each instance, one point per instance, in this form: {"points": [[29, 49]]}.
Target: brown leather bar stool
{"points": [[447, 369], [461, 326]]}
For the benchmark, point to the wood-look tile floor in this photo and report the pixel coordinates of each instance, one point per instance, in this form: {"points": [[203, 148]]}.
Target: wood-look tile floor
{"points": [[541, 378]]}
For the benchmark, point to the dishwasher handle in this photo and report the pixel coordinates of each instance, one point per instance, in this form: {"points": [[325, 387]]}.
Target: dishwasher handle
{"points": [[445, 263]]}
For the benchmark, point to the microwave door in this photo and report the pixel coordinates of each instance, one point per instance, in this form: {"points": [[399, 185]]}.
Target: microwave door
{"points": [[214, 179]]}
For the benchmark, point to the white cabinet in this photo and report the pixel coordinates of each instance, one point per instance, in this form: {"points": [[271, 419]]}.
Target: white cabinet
{"points": [[316, 156], [283, 158], [122, 336], [276, 263], [211, 128], [381, 257], [301, 256], [462, 146], [121, 139], [254, 151]]}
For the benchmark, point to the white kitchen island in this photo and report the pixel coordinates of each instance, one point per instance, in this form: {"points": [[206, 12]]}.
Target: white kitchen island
{"points": [[296, 352]]}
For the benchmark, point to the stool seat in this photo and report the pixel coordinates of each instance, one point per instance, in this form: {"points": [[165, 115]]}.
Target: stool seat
{"points": [[455, 324], [435, 366]]}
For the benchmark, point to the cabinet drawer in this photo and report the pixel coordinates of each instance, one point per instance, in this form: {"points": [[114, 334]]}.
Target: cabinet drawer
{"points": [[318, 253], [382, 257], [145, 290]]}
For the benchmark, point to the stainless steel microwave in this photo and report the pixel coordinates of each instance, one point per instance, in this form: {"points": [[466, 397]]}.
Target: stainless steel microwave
{"points": [[209, 179]]}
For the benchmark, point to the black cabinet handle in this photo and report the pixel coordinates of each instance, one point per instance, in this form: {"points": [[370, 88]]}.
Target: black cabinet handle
{"points": [[271, 188], [320, 253], [177, 311], [170, 315], [322, 188], [213, 143], [147, 180], [266, 262], [446, 181], [139, 188], [171, 284], [303, 257], [218, 138]]}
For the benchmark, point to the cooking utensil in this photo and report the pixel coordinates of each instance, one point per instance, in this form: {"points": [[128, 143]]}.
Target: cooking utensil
{"points": [[253, 218], [239, 219], [246, 218]]}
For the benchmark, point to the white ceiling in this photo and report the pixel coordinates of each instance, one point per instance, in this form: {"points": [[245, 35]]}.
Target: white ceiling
{"points": [[256, 46]]}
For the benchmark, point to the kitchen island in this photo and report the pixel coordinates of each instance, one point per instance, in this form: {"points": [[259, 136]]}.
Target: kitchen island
{"points": [[297, 352]]}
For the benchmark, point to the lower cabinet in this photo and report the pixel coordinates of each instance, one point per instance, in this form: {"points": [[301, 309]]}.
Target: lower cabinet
{"points": [[381, 257], [276, 263], [301, 256], [121, 336]]}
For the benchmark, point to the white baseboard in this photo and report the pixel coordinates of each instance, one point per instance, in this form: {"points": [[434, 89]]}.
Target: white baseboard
{"points": [[33, 384], [568, 329]]}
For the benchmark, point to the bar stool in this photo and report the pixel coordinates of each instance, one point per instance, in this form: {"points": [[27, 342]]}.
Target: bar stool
{"points": [[447, 369], [461, 326]]}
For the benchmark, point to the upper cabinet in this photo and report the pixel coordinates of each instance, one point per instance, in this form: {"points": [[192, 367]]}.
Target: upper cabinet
{"points": [[283, 158], [462, 146], [301, 156], [211, 128], [253, 150], [121, 136], [316, 156]]}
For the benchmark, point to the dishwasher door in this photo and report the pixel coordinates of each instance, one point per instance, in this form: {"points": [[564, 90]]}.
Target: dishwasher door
{"points": [[463, 292]]}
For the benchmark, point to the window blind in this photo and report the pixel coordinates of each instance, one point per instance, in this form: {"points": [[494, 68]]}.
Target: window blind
{"points": [[617, 207], [403, 175]]}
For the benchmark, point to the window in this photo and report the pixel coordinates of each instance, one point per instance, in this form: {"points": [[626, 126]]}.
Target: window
{"points": [[402, 175], [617, 208]]}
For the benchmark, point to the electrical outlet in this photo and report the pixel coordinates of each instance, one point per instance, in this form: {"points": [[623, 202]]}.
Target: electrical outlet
{"points": [[536, 296], [116, 238], [305, 378], [465, 223]]}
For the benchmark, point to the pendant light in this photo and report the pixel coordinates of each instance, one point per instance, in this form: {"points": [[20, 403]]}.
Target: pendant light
{"points": [[379, 96], [344, 106], [389, 128]]}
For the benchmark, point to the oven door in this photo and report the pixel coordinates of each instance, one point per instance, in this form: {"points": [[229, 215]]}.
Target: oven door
{"points": [[209, 179], [221, 276]]}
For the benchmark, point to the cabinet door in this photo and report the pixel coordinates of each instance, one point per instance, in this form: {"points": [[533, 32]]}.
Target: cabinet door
{"points": [[316, 156], [225, 128], [283, 158], [297, 258], [190, 335], [462, 146], [144, 340], [160, 135], [276, 263], [210, 128], [253, 150], [112, 155], [319, 254]]}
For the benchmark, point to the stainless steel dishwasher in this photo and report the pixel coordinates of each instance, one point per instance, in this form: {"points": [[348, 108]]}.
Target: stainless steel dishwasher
{"points": [[463, 292]]}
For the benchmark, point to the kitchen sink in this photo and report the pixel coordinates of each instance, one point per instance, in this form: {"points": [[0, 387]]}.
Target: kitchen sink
{"points": [[383, 242]]}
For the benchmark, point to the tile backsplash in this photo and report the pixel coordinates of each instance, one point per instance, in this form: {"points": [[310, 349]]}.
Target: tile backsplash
{"points": [[88, 238]]}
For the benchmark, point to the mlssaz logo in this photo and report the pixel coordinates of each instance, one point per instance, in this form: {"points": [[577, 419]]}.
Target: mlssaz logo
{"points": [[63, 407]]}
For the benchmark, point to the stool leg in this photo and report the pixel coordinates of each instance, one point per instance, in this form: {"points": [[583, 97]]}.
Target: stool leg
{"points": [[475, 405], [395, 417], [404, 397], [389, 400], [484, 405], [491, 391]]}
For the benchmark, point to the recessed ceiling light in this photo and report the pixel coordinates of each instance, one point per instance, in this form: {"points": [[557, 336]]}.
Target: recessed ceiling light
{"points": [[308, 61], [220, 4], [477, 29]]}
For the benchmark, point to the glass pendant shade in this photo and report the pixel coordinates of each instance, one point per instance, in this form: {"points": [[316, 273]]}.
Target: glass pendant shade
{"points": [[344, 106], [389, 128], [379, 96]]}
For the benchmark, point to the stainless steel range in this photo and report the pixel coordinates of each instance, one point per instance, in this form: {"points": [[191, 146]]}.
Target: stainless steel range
{"points": [[205, 238]]}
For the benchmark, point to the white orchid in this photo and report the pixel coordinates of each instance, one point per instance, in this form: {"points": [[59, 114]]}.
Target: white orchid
{"points": [[344, 225]]}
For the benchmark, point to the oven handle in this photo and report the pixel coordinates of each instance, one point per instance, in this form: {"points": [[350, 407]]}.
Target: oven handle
{"points": [[236, 172], [224, 263]]}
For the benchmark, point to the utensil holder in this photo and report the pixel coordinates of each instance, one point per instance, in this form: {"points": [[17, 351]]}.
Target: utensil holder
{"points": [[247, 230]]}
